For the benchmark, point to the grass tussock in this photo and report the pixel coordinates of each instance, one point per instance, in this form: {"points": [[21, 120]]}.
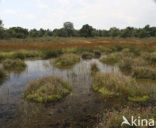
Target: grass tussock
{"points": [[66, 60], [14, 65], [48, 89], [112, 58], [94, 68], [87, 55], [144, 72], [110, 84], [114, 118], [151, 57]]}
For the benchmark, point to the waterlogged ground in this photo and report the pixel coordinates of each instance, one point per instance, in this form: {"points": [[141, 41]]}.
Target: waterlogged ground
{"points": [[81, 109]]}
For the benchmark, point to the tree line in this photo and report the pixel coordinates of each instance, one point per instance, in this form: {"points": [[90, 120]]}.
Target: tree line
{"points": [[68, 31]]}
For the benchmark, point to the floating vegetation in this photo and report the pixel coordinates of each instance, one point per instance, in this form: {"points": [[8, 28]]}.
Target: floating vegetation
{"points": [[48, 89], [66, 60]]}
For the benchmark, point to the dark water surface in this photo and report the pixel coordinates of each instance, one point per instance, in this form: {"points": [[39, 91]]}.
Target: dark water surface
{"points": [[80, 109]]}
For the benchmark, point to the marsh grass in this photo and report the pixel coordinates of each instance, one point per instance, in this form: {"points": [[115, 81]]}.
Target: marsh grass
{"points": [[66, 60], [94, 68], [112, 58], [144, 72], [16, 65], [110, 84], [51, 53], [151, 57], [48, 89], [113, 118], [87, 55]]}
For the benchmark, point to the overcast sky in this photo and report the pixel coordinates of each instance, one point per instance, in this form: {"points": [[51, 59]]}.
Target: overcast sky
{"points": [[101, 14]]}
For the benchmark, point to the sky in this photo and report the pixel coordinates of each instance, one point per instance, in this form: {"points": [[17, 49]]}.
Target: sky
{"points": [[101, 14]]}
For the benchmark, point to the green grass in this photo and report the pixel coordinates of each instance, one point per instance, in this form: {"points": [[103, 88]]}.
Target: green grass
{"points": [[66, 60], [14, 65], [116, 85], [48, 89]]}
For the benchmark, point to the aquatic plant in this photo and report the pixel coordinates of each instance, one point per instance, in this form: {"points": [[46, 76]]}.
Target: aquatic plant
{"points": [[48, 89], [14, 65], [66, 60], [110, 84]]}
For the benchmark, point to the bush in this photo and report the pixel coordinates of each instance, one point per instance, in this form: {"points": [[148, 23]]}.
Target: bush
{"points": [[14, 65], [66, 60], [48, 89], [110, 84]]}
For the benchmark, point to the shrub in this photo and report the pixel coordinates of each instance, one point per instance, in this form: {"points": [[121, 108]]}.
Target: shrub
{"points": [[66, 60], [48, 89], [14, 65], [144, 72], [87, 55], [110, 84]]}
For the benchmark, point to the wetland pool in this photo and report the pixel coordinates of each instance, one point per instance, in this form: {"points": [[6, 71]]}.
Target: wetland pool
{"points": [[80, 109]]}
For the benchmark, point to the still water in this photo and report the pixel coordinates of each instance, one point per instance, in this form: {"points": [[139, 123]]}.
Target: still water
{"points": [[80, 109]]}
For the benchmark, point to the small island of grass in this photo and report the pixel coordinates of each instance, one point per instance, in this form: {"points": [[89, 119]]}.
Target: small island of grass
{"points": [[66, 60], [110, 84], [16, 65], [48, 89]]}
